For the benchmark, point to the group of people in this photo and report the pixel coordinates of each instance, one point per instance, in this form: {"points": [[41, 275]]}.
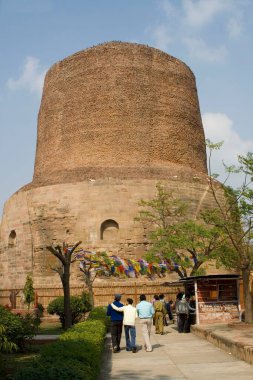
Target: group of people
{"points": [[147, 312]]}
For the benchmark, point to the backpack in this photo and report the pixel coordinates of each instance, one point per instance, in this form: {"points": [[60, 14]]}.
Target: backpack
{"points": [[182, 307]]}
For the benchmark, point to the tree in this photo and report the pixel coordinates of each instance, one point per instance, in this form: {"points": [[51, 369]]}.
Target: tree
{"points": [[233, 218], [28, 291], [93, 265], [64, 255], [184, 244], [159, 212]]}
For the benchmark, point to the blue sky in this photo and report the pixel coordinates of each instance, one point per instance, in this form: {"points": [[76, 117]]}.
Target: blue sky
{"points": [[213, 37]]}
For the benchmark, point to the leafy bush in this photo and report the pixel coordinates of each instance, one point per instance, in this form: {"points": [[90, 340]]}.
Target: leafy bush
{"points": [[64, 372], [77, 304], [40, 310], [18, 328], [5, 344], [86, 300], [100, 313], [76, 355]]}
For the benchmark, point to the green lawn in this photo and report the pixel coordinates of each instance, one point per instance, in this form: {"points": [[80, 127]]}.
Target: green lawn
{"points": [[11, 363], [50, 328]]}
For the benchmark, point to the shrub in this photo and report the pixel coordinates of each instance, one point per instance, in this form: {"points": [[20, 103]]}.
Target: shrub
{"points": [[40, 310], [77, 305], [86, 298], [76, 355], [99, 313], [18, 328], [63, 372], [5, 344]]}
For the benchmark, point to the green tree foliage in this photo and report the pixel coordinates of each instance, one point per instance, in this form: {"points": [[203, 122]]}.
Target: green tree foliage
{"points": [[96, 265], [159, 212], [29, 294], [185, 244], [233, 219], [64, 255]]}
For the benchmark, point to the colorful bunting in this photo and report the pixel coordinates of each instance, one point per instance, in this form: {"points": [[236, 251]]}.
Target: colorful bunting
{"points": [[117, 266]]}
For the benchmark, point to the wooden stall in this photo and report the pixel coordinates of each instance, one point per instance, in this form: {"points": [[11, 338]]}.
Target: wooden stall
{"points": [[217, 297]]}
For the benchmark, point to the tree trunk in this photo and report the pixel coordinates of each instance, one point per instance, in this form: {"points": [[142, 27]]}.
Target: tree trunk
{"points": [[66, 291], [247, 295], [89, 285]]}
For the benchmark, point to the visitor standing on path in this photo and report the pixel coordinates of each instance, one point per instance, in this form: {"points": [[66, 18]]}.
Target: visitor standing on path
{"points": [[145, 312], [116, 323], [160, 312], [129, 324], [191, 316], [182, 311]]}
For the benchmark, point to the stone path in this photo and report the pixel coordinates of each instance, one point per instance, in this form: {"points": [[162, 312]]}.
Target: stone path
{"points": [[174, 357]]}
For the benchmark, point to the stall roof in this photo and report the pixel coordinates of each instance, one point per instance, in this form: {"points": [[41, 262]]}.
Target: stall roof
{"points": [[211, 276]]}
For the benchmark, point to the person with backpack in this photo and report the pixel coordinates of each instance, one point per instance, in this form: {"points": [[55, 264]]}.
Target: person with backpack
{"points": [[182, 311]]}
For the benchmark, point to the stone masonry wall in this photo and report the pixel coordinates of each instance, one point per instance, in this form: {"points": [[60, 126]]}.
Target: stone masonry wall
{"points": [[77, 211]]}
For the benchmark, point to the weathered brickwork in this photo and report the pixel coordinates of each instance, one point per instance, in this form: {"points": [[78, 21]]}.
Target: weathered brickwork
{"points": [[77, 211], [114, 120], [118, 110]]}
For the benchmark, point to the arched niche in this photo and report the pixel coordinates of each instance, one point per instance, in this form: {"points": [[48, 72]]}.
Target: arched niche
{"points": [[12, 239], [109, 230]]}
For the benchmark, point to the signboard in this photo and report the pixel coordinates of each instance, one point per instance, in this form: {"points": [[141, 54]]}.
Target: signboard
{"points": [[218, 311]]}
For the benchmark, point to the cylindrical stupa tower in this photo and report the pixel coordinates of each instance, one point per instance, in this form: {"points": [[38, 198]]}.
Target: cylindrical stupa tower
{"points": [[118, 110], [114, 120]]}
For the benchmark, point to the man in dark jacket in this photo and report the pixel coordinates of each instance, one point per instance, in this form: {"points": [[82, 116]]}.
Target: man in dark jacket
{"points": [[116, 323]]}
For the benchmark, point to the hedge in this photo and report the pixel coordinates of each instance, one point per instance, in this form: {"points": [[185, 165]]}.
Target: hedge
{"points": [[76, 355]]}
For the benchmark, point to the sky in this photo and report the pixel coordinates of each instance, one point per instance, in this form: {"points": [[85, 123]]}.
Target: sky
{"points": [[213, 37]]}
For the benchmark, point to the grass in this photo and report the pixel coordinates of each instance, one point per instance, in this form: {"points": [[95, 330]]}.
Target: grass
{"points": [[12, 363], [50, 328]]}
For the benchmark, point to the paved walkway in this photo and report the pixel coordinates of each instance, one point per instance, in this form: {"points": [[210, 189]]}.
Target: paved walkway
{"points": [[174, 357]]}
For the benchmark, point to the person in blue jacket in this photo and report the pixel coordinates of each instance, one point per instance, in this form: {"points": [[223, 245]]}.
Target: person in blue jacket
{"points": [[116, 323]]}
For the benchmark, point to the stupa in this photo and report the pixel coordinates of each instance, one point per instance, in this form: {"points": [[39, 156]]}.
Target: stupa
{"points": [[114, 120]]}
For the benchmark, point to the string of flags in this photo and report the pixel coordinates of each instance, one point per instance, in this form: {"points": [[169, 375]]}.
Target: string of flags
{"points": [[117, 266]]}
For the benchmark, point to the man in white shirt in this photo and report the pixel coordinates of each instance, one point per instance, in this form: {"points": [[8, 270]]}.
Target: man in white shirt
{"points": [[145, 311], [129, 324]]}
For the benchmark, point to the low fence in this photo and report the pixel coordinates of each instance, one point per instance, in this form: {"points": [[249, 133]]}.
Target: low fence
{"points": [[103, 292]]}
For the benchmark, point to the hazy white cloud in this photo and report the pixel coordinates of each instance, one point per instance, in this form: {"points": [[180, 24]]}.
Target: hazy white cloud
{"points": [[162, 37], [202, 12], [219, 127], [31, 78], [234, 27], [190, 23], [199, 49], [169, 8]]}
